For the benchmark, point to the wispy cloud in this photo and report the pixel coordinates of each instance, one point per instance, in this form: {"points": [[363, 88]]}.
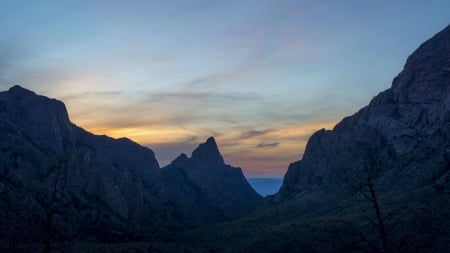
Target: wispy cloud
{"points": [[267, 145], [225, 77], [92, 94], [199, 96], [254, 133]]}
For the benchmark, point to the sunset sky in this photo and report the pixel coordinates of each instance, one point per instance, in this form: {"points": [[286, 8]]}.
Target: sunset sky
{"points": [[260, 76]]}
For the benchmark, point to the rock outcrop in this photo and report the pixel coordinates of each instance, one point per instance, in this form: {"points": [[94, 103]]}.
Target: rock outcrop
{"points": [[404, 132]]}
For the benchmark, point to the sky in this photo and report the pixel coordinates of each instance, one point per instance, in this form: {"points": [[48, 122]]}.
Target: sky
{"points": [[259, 75]]}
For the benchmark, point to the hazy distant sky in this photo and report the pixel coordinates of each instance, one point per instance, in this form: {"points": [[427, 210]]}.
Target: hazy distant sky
{"points": [[261, 76]]}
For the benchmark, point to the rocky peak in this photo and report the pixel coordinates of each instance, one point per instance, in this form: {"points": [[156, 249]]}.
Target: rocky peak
{"points": [[25, 99], [19, 91], [426, 74], [42, 119], [222, 188], [208, 151], [181, 159]]}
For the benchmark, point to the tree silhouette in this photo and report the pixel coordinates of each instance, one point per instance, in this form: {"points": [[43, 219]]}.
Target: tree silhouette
{"points": [[362, 174]]}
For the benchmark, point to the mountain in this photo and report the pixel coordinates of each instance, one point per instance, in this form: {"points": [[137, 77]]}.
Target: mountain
{"points": [[406, 128], [56, 166], [222, 187], [379, 181], [84, 185]]}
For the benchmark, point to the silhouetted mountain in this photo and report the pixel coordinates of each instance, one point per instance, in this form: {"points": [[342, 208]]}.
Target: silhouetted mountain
{"points": [[221, 187], [100, 186], [378, 182], [405, 128]]}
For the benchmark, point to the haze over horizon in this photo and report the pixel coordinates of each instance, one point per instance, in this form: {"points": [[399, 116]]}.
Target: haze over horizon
{"points": [[259, 76]]}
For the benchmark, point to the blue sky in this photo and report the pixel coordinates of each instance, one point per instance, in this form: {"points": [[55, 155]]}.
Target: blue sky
{"points": [[260, 76]]}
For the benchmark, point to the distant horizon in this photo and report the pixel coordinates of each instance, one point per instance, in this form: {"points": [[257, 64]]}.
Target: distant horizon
{"points": [[259, 76], [264, 177], [265, 186]]}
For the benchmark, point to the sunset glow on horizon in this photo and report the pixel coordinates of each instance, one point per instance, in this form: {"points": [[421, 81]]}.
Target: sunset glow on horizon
{"points": [[259, 76], [238, 150]]}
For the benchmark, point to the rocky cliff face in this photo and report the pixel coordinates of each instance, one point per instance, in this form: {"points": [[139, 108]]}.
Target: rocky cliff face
{"points": [[100, 186], [405, 131]]}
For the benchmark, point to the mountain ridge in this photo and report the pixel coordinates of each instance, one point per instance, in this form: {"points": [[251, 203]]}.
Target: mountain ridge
{"points": [[114, 185]]}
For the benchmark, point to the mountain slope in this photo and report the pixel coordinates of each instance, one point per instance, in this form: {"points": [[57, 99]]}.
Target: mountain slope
{"points": [[406, 128], [100, 180], [97, 186]]}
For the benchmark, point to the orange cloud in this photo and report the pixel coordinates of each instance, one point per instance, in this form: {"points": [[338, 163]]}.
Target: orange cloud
{"points": [[257, 155], [178, 121], [271, 160], [146, 135]]}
